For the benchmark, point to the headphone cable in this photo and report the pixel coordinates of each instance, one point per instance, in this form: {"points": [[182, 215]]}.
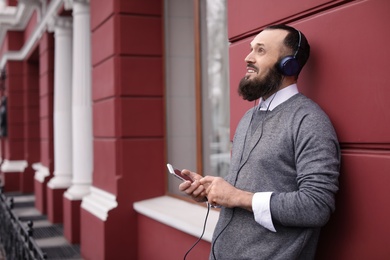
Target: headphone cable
{"points": [[204, 229], [231, 218]]}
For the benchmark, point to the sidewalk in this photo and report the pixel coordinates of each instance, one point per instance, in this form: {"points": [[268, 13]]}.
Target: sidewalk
{"points": [[49, 237]]}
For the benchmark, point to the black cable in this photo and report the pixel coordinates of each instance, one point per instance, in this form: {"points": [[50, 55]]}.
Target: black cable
{"points": [[215, 240], [242, 165], [204, 229]]}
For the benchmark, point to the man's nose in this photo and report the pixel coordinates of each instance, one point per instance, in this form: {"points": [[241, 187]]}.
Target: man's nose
{"points": [[249, 58]]}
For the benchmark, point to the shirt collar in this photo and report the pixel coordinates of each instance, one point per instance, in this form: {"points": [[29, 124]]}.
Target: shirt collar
{"points": [[278, 98]]}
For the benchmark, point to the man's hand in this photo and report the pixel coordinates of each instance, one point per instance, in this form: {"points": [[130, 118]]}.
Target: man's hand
{"points": [[196, 190], [220, 192]]}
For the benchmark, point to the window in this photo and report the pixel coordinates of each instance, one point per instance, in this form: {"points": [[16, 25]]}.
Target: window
{"points": [[215, 89], [197, 87]]}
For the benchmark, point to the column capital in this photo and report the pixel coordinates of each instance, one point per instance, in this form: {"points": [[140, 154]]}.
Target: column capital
{"points": [[68, 4], [30, 2], [59, 21]]}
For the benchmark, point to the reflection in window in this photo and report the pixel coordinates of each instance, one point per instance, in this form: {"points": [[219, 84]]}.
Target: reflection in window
{"points": [[211, 154], [215, 89]]}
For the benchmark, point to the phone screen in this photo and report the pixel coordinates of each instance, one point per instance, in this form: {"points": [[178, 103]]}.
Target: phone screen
{"points": [[177, 173]]}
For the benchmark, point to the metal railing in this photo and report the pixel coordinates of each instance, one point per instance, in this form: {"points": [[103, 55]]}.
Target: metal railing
{"points": [[15, 235]]}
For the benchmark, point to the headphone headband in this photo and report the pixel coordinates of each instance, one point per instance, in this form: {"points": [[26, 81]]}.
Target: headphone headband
{"points": [[299, 43], [289, 65]]}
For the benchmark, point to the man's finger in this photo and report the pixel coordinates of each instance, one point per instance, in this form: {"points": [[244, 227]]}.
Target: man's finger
{"points": [[206, 180]]}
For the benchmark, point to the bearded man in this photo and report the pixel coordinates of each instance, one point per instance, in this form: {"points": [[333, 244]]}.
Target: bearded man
{"points": [[285, 160]]}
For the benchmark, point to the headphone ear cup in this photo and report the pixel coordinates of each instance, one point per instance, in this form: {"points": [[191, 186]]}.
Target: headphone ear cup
{"points": [[289, 66]]}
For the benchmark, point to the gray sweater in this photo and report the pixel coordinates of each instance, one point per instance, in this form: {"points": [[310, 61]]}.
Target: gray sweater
{"points": [[294, 153]]}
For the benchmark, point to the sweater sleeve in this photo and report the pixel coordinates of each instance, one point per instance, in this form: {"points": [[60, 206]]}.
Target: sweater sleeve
{"points": [[317, 159]]}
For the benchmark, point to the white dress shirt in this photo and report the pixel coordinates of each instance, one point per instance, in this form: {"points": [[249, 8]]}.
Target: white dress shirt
{"points": [[261, 200]]}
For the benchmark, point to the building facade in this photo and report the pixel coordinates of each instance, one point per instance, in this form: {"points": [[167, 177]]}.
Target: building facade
{"points": [[87, 88]]}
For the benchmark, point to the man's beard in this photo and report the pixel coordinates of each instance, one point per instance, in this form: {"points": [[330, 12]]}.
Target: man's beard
{"points": [[252, 89]]}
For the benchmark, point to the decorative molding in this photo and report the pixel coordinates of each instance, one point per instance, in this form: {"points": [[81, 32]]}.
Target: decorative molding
{"points": [[60, 181], [59, 21], [16, 17], [52, 9], [41, 172], [99, 203], [77, 191], [68, 4], [181, 215], [14, 166]]}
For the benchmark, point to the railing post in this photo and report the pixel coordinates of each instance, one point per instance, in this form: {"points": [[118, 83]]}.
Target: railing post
{"points": [[17, 240]]}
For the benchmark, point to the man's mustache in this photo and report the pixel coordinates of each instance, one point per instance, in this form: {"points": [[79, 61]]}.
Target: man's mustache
{"points": [[252, 66]]}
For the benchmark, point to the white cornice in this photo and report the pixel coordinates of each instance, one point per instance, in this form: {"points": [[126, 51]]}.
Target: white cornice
{"points": [[52, 10], [41, 172], [68, 4], [13, 166], [99, 203], [58, 21], [16, 17]]}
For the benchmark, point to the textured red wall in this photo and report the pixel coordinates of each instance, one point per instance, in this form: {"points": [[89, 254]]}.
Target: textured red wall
{"points": [[14, 142], [158, 241], [31, 25], [127, 83], [46, 73], [261, 13], [128, 119]]}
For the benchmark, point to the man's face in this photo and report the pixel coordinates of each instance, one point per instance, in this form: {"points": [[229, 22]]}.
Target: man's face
{"points": [[262, 78]]}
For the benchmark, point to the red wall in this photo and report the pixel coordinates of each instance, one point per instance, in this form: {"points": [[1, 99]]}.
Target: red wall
{"points": [[127, 80], [31, 120], [46, 86], [347, 75], [14, 142], [158, 241], [31, 25], [128, 120]]}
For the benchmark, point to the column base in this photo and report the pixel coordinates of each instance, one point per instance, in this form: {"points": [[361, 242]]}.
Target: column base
{"points": [[113, 238], [106, 229], [55, 204], [11, 171], [40, 196], [72, 220], [42, 176]]}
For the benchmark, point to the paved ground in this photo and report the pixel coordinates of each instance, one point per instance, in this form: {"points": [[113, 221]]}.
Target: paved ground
{"points": [[49, 237]]}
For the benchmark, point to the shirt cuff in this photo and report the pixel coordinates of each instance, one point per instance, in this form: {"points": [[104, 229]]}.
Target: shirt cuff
{"points": [[262, 211]]}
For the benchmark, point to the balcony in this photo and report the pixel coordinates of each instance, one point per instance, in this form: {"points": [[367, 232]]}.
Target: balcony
{"points": [[26, 234]]}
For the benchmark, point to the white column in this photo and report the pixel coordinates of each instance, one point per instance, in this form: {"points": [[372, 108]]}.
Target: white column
{"points": [[81, 103], [62, 103]]}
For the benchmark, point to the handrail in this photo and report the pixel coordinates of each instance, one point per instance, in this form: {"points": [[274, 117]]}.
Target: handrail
{"points": [[15, 235]]}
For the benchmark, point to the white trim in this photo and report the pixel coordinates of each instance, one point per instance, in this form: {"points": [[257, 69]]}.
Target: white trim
{"points": [[15, 18], [60, 181], [77, 191], [14, 166], [99, 203], [184, 216], [35, 36], [41, 172]]}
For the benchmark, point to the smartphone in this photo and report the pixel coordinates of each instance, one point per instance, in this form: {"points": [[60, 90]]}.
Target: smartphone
{"points": [[177, 173]]}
